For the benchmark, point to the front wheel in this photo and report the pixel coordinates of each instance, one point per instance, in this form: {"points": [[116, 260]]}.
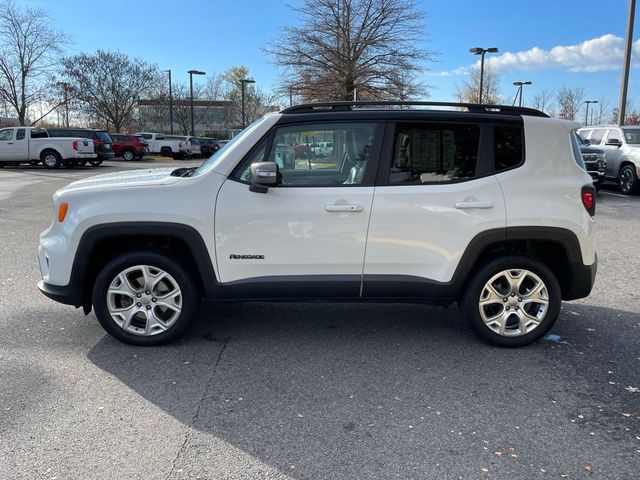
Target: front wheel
{"points": [[628, 180], [145, 298], [513, 301], [128, 155]]}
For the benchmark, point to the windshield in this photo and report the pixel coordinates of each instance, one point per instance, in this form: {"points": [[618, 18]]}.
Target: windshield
{"points": [[211, 162], [632, 135]]}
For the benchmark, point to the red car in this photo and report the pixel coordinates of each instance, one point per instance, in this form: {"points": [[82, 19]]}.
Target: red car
{"points": [[128, 147]]}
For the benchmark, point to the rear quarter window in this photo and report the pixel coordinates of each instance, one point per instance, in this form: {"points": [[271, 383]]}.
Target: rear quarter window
{"points": [[508, 147]]}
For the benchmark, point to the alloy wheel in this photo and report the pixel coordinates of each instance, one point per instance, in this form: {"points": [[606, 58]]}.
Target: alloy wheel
{"points": [[144, 300], [513, 302]]}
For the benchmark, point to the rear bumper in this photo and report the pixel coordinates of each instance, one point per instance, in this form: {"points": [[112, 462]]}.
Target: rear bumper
{"points": [[582, 278]]}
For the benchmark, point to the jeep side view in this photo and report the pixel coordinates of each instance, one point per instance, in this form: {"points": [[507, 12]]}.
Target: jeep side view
{"points": [[487, 206]]}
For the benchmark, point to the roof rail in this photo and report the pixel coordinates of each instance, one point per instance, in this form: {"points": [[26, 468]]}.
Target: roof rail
{"points": [[471, 107]]}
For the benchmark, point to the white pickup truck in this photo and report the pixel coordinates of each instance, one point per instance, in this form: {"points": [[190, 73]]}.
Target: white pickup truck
{"points": [[33, 145], [167, 146]]}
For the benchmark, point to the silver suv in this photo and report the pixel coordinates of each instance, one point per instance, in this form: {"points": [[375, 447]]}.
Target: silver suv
{"points": [[621, 146]]}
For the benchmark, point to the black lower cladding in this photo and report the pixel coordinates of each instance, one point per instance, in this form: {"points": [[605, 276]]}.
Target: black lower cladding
{"points": [[329, 287]]}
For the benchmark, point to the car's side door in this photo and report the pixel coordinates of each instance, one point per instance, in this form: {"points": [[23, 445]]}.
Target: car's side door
{"points": [[7, 150], [305, 237], [21, 145], [435, 192], [611, 146]]}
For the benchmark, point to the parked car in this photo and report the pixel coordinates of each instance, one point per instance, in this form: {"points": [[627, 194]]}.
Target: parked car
{"points": [[621, 147], [208, 146], [144, 142], [594, 162], [323, 149], [128, 147], [191, 143], [168, 146], [486, 206], [34, 145], [101, 140]]}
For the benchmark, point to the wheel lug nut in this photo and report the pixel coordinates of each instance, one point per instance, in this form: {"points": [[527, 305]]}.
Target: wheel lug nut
{"points": [[504, 299], [139, 295], [147, 292], [517, 308], [513, 294], [508, 307], [139, 304], [148, 307], [154, 300], [519, 299]]}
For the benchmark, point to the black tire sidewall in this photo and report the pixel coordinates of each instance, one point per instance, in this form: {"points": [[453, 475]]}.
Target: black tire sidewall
{"points": [[634, 186], [131, 153], [493, 267], [190, 296]]}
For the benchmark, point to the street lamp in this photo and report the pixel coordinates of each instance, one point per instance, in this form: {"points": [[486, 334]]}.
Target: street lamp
{"points": [[482, 51], [170, 102], [243, 82], [191, 74], [586, 115], [627, 63], [520, 91], [65, 90]]}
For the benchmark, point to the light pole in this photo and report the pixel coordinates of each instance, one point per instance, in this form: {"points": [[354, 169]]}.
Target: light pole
{"points": [[586, 115], [482, 51], [627, 62], [170, 103], [520, 91], [191, 74], [243, 82]]}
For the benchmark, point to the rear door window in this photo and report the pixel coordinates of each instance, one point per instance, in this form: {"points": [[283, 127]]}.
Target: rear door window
{"points": [[508, 147], [596, 136], [434, 153]]}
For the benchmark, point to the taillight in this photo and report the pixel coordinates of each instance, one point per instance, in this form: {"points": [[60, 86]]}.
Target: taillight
{"points": [[74, 145], [589, 199]]}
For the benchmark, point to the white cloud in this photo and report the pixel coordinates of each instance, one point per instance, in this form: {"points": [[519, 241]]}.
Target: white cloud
{"points": [[595, 55]]}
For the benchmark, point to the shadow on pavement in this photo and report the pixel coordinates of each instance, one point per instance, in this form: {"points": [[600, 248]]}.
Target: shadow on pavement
{"points": [[385, 390]]}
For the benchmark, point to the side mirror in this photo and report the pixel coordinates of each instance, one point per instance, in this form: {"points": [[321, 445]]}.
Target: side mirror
{"points": [[263, 176], [614, 142], [586, 141]]}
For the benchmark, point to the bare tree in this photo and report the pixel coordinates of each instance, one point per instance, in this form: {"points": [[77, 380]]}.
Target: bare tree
{"points": [[29, 54], [109, 84], [603, 105], [344, 46], [468, 92], [182, 107], [543, 101], [570, 101]]}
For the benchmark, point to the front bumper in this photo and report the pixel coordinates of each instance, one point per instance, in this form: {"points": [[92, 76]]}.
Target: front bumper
{"points": [[61, 293]]}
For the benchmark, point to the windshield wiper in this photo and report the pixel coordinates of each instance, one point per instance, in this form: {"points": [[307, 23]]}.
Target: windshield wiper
{"points": [[183, 172]]}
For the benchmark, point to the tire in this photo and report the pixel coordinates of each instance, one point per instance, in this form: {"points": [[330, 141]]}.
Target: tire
{"points": [[167, 324], [166, 152], [51, 159], [510, 326], [628, 180], [71, 164], [128, 155], [82, 163], [96, 163]]}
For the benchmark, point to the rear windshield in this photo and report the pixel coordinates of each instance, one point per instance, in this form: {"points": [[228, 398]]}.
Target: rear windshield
{"points": [[103, 136]]}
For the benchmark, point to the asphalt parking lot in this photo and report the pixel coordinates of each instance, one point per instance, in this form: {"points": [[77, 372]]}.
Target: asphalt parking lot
{"points": [[314, 391]]}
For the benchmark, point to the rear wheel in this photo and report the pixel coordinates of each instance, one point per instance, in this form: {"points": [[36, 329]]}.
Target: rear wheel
{"points": [[51, 159], [96, 163], [145, 298], [628, 180], [128, 155], [513, 301]]}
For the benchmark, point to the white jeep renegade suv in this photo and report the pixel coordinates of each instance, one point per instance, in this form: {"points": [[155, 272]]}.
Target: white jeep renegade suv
{"points": [[489, 207]]}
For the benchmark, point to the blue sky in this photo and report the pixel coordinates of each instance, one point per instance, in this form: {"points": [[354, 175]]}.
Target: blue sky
{"points": [[213, 35]]}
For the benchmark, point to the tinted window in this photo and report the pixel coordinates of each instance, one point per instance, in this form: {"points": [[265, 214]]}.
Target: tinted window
{"points": [[103, 136], [292, 150], [148, 136], [631, 135], [39, 133], [509, 149], [596, 136], [428, 153], [20, 134]]}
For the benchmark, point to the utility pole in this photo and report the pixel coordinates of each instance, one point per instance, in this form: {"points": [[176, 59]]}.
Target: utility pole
{"points": [[191, 74], [243, 82], [627, 62], [586, 115], [170, 103], [482, 51]]}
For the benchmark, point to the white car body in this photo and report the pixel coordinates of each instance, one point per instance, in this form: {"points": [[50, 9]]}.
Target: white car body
{"points": [[17, 145], [166, 144], [376, 236]]}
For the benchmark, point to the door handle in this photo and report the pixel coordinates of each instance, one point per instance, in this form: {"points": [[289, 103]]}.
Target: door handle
{"points": [[465, 205], [9, 143], [350, 207]]}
